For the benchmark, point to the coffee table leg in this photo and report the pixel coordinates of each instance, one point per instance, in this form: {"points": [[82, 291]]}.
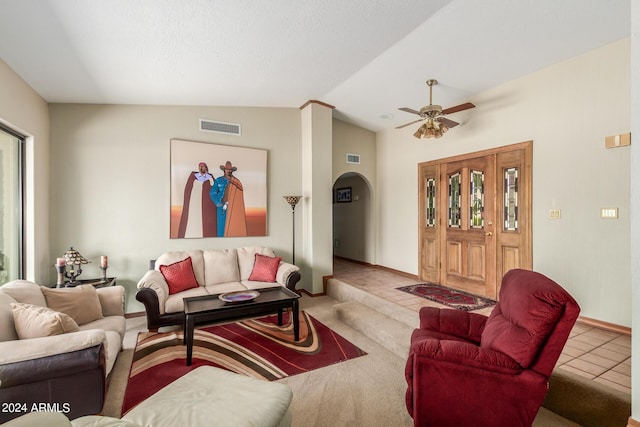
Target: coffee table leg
{"points": [[279, 317], [189, 325], [296, 323]]}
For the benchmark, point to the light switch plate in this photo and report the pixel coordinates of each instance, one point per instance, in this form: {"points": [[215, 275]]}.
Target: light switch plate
{"points": [[609, 213], [554, 213]]}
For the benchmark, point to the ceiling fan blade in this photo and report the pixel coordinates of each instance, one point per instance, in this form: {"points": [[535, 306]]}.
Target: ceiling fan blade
{"points": [[409, 110], [410, 123], [457, 108], [448, 123]]}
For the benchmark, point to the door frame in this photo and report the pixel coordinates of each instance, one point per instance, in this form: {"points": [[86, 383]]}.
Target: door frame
{"points": [[434, 272]]}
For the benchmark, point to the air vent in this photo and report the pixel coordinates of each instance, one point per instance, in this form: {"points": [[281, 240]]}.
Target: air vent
{"points": [[219, 127], [353, 158]]}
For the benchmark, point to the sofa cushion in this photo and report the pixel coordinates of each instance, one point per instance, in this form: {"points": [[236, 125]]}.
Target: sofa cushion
{"points": [[265, 268], [179, 276], [175, 303], [81, 303], [197, 262], [7, 329], [220, 266], [247, 256], [24, 291], [32, 321]]}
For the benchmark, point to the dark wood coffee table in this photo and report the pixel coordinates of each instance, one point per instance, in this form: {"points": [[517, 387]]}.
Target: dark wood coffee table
{"points": [[209, 308]]}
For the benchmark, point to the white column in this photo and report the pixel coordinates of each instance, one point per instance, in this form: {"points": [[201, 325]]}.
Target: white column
{"points": [[317, 249]]}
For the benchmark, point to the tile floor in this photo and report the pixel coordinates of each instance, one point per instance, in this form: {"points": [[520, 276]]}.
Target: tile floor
{"points": [[595, 353]]}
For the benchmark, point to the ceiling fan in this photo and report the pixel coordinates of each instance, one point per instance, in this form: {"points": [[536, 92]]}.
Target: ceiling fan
{"points": [[436, 125]]}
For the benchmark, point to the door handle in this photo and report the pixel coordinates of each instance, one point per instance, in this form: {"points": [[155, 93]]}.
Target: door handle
{"points": [[488, 233]]}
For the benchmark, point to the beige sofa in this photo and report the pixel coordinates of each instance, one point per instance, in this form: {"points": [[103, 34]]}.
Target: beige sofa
{"points": [[216, 272], [68, 369]]}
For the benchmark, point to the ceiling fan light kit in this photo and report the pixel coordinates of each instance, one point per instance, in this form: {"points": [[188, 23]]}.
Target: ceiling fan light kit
{"points": [[436, 125]]}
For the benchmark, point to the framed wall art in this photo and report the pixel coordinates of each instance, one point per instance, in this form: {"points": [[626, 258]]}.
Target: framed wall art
{"points": [[343, 195], [217, 190]]}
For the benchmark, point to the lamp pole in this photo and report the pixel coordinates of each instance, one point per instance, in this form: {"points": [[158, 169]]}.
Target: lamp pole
{"points": [[293, 201]]}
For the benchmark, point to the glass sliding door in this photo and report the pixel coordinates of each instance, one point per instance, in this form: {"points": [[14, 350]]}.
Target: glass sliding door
{"points": [[11, 147]]}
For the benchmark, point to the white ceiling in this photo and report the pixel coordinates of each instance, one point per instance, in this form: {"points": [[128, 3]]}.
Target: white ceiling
{"points": [[365, 57]]}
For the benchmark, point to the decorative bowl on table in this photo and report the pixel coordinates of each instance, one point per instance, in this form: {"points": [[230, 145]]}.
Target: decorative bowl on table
{"points": [[239, 296]]}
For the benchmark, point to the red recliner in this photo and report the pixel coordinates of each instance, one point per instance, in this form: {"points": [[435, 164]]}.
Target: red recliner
{"points": [[466, 369]]}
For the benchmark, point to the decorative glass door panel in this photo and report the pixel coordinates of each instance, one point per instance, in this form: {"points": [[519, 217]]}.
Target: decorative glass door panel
{"points": [[510, 207], [476, 203], [454, 200], [430, 199]]}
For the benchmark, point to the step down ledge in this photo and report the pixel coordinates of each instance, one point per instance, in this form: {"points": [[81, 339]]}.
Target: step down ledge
{"points": [[395, 336]]}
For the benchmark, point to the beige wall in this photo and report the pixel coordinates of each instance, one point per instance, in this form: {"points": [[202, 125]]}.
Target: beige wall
{"points": [[24, 111], [567, 110], [354, 224], [110, 180]]}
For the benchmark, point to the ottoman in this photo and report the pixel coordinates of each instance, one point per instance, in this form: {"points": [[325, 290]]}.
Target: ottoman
{"points": [[212, 396]]}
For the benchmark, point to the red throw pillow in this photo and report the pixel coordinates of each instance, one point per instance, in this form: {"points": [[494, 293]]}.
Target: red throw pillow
{"points": [[179, 276], [265, 268]]}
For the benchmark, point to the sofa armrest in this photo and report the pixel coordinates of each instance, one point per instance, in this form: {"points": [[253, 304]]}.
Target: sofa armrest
{"points": [[288, 275], [34, 348], [154, 280], [112, 300], [53, 366], [453, 322], [73, 382]]}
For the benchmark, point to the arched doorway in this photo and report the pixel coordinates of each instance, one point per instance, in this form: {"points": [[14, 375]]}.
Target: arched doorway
{"points": [[353, 218]]}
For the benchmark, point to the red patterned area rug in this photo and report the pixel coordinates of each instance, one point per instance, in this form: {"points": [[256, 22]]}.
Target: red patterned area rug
{"points": [[257, 348], [447, 296]]}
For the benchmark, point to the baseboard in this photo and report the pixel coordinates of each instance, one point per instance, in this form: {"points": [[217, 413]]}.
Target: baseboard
{"points": [[134, 314], [606, 326], [380, 267]]}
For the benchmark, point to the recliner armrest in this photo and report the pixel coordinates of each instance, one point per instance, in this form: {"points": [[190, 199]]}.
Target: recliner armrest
{"points": [[464, 354], [453, 322]]}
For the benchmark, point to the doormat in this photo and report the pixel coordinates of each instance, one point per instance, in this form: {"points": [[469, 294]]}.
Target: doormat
{"points": [[257, 348], [450, 297]]}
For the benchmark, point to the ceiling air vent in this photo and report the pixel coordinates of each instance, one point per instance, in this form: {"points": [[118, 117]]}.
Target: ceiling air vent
{"points": [[219, 127], [353, 158]]}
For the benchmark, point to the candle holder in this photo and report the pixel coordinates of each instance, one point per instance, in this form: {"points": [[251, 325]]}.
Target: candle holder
{"points": [[104, 273], [61, 271]]}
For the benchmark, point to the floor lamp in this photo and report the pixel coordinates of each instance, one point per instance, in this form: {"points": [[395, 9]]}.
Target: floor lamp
{"points": [[293, 201]]}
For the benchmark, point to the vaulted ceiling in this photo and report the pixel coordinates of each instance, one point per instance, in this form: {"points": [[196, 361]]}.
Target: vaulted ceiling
{"points": [[365, 57]]}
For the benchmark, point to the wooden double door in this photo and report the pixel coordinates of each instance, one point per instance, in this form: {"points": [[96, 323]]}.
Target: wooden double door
{"points": [[475, 218]]}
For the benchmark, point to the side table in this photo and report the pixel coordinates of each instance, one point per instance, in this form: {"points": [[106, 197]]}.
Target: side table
{"points": [[97, 283]]}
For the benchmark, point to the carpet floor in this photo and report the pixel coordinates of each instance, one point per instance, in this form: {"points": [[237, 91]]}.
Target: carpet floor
{"points": [[257, 347], [365, 391]]}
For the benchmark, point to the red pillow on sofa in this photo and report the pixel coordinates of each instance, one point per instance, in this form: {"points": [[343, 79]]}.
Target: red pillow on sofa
{"points": [[265, 268], [179, 276]]}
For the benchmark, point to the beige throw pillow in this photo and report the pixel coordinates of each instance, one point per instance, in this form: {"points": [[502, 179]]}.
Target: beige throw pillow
{"points": [[32, 321], [81, 303]]}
